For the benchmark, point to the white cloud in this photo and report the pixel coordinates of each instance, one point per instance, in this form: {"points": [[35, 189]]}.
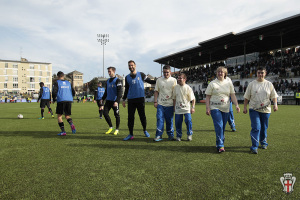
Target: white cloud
{"points": [[64, 32]]}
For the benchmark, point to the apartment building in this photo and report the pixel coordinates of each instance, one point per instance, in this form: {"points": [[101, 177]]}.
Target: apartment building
{"points": [[76, 80], [23, 76]]}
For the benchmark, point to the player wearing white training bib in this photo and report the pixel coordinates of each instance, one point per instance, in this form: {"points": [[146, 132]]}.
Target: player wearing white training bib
{"points": [[220, 94], [182, 96], [259, 92], [163, 101], [217, 100]]}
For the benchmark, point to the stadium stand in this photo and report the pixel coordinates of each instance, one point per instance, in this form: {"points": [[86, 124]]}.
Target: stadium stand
{"points": [[274, 45]]}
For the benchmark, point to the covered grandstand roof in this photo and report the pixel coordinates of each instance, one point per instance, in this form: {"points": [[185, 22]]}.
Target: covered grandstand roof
{"points": [[259, 39]]}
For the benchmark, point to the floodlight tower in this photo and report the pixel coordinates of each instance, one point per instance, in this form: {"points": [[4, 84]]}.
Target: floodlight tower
{"points": [[103, 39]]}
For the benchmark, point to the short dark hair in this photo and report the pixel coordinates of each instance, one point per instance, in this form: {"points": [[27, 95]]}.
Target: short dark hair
{"points": [[60, 74], [261, 68], [111, 67], [167, 67], [182, 74], [100, 83], [131, 61], [41, 84]]}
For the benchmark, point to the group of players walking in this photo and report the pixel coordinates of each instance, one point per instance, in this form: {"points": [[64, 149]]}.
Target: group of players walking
{"points": [[171, 95]]}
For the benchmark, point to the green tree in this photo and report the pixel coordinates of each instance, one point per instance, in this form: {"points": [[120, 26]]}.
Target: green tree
{"points": [[93, 85]]}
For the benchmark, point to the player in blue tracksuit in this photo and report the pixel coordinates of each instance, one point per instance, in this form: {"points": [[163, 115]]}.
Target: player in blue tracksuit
{"points": [[231, 118], [63, 93], [112, 96], [163, 102], [45, 98], [98, 96], [134, 92]]}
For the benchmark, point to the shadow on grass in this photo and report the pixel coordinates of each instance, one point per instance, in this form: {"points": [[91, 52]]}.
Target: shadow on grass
{"points": [[35, 134], [166, 145], [24, 119], [139, 136], [125, 145], [188, 149]]}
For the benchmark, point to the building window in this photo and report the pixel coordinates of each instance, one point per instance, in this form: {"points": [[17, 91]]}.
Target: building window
{"points": [[15, 85], [39, 66], [6, 78], [31, 73], [41, 73], [40, 79], [15, 79], [48, 73], [6, 65], [48, 85], [47, 80], [15, 72], [32, 85], [5, 85], [31, 79], [46, 67], [15, 66], [5, 72], [31, 67]]}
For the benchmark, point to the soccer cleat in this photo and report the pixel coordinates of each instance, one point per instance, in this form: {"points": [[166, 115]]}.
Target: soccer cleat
{"points": [[109, 131], [116, 132], [62, 134], [178, 139], [221, 150], [253, 151], [189, 138], [100, 117], [171, 138], [41, 117], [52, 116], [233, 129], [157, 139], [73, 129], [129, 137], [146, 134], [264, 146]]}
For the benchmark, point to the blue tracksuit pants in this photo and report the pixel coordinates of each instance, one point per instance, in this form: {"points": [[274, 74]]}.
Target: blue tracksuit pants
{"points": [[230, 117], [259, 126], [178, 124], [164, 113], [220, 120]]}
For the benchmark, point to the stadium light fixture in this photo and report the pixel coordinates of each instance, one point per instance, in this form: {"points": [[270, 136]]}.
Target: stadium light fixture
{"points": [[103, 39]]}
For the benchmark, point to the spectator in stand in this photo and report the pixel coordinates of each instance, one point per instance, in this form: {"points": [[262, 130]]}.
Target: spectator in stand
{"points": [[297, 96], [240, 88]]}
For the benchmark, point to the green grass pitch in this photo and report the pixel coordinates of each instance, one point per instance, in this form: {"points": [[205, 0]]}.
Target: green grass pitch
{"points": [[35, 163]]}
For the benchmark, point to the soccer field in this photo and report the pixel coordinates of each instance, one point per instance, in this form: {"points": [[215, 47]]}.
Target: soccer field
{"points": [[38, 164]]}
